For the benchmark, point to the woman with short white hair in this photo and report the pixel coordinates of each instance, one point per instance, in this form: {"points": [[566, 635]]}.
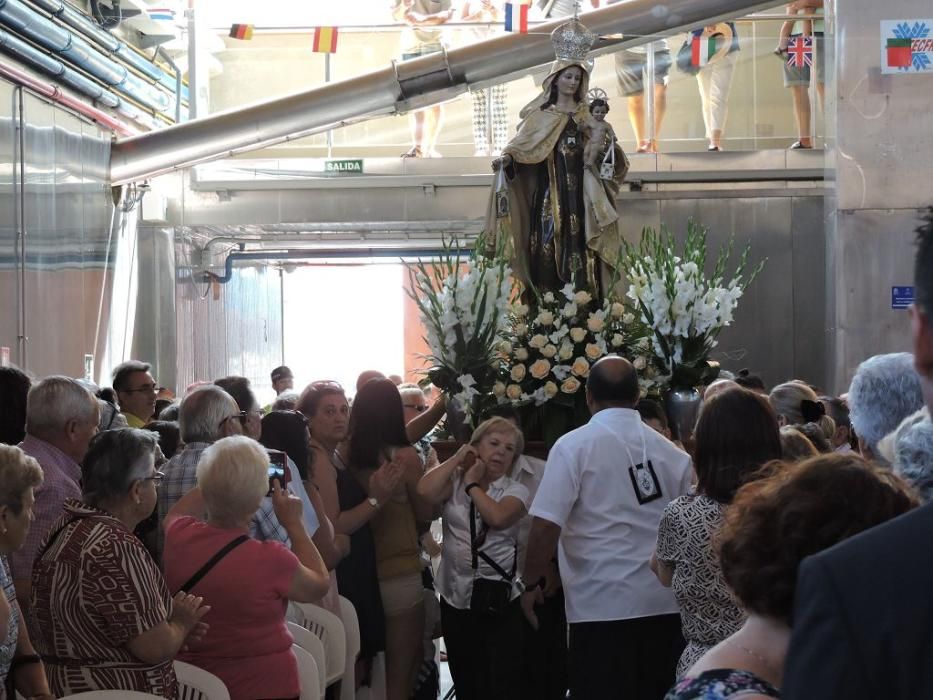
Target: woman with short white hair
{"points": [[909, 450], [20, 668], [246, 582]]}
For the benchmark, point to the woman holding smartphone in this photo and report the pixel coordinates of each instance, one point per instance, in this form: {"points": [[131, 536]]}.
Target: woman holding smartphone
{"points": [[482, 509]]}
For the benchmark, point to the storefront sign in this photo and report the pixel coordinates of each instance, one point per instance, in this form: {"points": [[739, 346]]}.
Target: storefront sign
{"points": [[907, 46]]}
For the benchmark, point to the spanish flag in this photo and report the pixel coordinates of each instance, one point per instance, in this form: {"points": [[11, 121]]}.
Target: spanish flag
{"points": [[241, 31], [516, 17], [325, 40]]}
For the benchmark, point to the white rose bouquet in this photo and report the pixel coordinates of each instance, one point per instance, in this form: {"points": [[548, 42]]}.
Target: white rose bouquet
{"points": [[683, 308], [554, 342], [464, 304]]}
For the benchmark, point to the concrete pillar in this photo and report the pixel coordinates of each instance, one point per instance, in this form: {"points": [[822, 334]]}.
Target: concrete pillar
{"points": [[880, 146]]}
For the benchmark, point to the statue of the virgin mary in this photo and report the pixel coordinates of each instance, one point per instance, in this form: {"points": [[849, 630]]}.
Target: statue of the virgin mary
{"points": [[558, 215]]}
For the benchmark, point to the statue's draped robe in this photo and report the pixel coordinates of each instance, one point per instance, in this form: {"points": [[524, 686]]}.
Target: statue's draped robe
{"points": [[562, 219]]}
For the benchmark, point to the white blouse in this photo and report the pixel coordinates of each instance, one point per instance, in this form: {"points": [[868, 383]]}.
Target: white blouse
{"points": [[455, 575]]}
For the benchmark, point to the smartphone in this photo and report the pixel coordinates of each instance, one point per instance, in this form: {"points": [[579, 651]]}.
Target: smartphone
{"points": [[278, 470]]}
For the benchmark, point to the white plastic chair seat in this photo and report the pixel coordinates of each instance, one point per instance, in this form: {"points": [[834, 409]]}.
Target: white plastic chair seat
{"points": [[112, 695], [329, 629], [351, 624], [308, 674], [197, 684], [312, 644]]}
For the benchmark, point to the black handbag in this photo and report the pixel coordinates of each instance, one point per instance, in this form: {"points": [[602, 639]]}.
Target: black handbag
{"points": [[489, 597]]}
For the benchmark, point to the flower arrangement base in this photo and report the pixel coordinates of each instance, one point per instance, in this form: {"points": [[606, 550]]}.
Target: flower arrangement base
{"points": [[683, 409], [459, 425]]}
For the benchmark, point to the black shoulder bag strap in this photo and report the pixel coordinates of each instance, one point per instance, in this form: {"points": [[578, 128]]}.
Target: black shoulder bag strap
{"points": [[485, 557], [211, 563]]}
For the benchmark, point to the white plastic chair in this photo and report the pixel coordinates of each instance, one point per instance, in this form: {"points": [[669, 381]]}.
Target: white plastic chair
{"points": [[351, 624], [111, 695], [312, 644], [308, 674], [197, 684], [329, 630]]}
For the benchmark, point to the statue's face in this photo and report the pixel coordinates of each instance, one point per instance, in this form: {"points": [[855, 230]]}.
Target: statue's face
{"points": [[568, 82], [599, 112]]}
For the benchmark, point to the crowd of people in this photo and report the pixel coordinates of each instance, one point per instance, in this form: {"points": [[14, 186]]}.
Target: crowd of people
{"points": [[424, 33], [755, 559]]}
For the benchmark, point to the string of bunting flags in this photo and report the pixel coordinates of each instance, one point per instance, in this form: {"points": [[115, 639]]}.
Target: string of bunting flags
{"points": [[325, 38]]}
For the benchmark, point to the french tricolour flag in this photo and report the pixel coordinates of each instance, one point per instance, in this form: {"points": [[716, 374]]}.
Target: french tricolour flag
{"points": [[516, 17]]}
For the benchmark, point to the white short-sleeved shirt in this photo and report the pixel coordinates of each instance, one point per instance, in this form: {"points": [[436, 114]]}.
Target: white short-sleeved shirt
{"points": [[606, 484], [455, 575], [528, 471]]}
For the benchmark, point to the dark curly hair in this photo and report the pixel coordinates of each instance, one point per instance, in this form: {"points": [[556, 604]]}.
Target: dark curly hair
{"points": [[798, 510]]}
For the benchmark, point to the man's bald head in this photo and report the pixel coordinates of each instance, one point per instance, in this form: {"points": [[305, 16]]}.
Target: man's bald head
{"points": [[613, 382]]}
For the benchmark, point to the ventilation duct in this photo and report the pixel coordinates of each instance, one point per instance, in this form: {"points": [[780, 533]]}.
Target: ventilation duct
{"points": [[400, 87]]}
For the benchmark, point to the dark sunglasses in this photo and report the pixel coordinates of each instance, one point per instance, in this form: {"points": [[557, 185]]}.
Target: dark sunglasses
{"points": [[421, 409]]}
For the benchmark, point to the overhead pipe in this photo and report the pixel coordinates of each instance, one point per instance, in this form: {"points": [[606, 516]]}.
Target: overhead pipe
{"points": [[34, 58], [400, 87], [38, 28], [328, 254], [104, 39], [53, 93]]}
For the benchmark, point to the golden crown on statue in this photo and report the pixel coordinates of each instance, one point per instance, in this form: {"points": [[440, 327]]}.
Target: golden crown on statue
{"points": [[572, 41]]}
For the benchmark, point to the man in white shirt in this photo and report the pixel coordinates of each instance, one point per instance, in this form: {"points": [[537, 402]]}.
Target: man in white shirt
{"points": [[604, 489]]}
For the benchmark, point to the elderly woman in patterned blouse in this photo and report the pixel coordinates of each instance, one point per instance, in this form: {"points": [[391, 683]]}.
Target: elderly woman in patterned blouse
{"points": [[106, 618], [20, 667]]}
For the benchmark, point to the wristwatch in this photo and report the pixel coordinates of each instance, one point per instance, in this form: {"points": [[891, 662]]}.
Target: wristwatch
{"points": [[374, 502], [469, 486], [522, 588]]}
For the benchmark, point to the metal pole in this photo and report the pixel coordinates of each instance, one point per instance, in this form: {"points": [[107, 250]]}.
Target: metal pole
{"points": [[330, 132], [192, 64], [22, 337], [649, 94]]}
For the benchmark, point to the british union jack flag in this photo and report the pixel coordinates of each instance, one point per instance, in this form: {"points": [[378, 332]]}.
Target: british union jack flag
{"points": [[800, 52]]}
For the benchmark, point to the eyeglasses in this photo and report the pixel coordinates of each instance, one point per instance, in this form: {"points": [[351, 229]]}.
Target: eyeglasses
{"points": [[145, 388], [155, 478], [242, 416], [413, 407]]}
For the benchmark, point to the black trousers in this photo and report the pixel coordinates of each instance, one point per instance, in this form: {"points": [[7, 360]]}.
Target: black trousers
{"points": [[484, 652], [625, 659], [546, 652]]}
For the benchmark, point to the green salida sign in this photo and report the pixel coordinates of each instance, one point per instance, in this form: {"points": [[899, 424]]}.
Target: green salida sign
{"points": [[343, 166]]}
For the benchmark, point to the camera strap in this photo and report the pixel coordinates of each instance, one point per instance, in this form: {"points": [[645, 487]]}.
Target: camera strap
{"points": [[485, 557], [211, 563]]}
